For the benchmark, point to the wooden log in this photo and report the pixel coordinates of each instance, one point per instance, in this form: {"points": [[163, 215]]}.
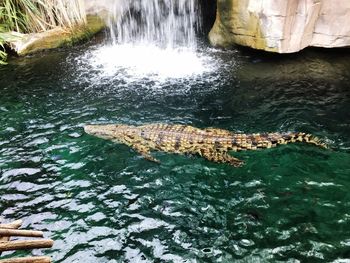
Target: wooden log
{"points": [[25, 244], [14, 225], [20, 233], [27, 260]]}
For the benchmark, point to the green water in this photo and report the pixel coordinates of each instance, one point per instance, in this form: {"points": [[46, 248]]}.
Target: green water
{"points": [[101, 202]]}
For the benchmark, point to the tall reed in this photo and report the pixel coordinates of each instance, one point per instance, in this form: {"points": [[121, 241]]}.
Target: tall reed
{"points": [[32, 16], [43, 15], [3, 55]]}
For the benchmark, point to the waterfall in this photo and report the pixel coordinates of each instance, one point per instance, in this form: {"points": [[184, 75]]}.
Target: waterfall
{"points": [[164, 23], [150, 39]]}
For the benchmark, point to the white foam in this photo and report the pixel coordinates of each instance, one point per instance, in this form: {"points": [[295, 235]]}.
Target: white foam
{"points": [[149, 39], [138, 62]]}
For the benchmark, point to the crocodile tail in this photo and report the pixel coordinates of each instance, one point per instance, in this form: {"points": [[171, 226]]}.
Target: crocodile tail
{"points": [[300, 137], [268, 140]]}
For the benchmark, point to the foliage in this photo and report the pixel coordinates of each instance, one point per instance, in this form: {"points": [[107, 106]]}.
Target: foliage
{"points": [[3, 55], [47, 14], [31, 16], [28, 16]]}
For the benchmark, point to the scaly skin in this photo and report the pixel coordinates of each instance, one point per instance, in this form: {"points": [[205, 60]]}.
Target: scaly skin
{"points": [[210, 143]]}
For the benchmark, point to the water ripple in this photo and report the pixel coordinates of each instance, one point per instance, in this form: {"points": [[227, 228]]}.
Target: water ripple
{"points": [[102, 202]]}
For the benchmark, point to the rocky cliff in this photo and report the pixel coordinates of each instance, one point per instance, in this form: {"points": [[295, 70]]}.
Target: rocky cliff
{"points": [[282, 26]]}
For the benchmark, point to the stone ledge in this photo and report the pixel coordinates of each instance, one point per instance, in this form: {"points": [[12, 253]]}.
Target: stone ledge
{"points": [[25, 44]]}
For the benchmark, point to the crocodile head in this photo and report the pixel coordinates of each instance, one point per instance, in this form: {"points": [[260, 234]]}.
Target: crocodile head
{"points": [[112, 132]]}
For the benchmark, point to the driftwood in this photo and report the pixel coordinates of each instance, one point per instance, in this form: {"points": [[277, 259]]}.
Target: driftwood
{"points": [[11, 230], [14, 225], [27, 260], [20, 233], [25, 244]]}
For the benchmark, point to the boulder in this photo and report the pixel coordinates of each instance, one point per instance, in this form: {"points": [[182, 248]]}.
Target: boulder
{"points": [[282, 26], [25, 44]]}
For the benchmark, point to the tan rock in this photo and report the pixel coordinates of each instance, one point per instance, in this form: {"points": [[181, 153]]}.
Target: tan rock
{"points": [[25, 44], [282, 26]]}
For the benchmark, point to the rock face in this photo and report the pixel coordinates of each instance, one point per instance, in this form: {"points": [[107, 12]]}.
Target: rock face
{"points": [[282, 26]]}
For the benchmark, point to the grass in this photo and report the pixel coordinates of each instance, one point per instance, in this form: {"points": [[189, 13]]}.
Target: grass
{"points": [[47, 14], [3, 54], [32, 16]]}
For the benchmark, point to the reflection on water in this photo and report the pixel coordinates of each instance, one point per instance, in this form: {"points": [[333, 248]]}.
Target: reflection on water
{"points": [[312, 64], [102, 202]]}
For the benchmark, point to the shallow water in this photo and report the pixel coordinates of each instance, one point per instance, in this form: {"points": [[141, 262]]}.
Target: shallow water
{"points": [[101, 202]]}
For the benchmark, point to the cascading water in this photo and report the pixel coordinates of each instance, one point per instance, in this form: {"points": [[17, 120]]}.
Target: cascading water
{"points": [[151, 39], [170, 24]]}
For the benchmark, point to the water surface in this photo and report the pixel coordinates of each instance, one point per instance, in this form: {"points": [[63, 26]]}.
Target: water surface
{"points": [[101, 202]]}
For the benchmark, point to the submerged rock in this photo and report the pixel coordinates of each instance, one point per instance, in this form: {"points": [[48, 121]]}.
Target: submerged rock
{"points": [[25, 44], [282, 26]]}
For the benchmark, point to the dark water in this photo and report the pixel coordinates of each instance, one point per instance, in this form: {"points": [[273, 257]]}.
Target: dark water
{"points": [[102, 202]]}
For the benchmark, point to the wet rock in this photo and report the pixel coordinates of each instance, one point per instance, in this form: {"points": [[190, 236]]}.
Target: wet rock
{"points": [[282, 26], [25, 44]]}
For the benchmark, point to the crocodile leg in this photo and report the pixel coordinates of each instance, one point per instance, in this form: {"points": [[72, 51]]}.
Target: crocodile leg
{"points": [[144, 151], [221, 157]]}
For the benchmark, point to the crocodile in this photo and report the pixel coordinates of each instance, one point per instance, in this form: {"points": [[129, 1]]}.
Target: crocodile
{"points": [[211, 143]]}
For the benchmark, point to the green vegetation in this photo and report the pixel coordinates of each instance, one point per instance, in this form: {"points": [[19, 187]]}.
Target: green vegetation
{"points": [[3, 54], [28, 16]]}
